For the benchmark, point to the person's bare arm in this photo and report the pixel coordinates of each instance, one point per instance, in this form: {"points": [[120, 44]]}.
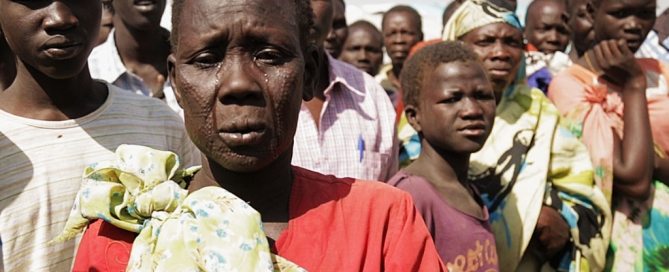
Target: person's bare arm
{"points": [[633, 155], [661, 171]]}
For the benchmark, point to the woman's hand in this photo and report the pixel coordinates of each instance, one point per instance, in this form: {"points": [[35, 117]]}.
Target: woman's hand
{"points": [[552, 231]]}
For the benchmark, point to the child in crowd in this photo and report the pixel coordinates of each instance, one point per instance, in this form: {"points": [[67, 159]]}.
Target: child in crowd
{"points": [[451, 104], [55, 120], [241, 69], [133, 57], [618, 106]]}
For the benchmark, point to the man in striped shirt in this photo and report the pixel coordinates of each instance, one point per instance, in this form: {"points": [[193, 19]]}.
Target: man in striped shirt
{"points": [[348, 129]]}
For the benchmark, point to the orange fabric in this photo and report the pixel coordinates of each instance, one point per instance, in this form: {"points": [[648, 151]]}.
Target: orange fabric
{"points": [[342, 225], [531, 48], [422, 44], [336, 225], [103, 247], [596, 109]]}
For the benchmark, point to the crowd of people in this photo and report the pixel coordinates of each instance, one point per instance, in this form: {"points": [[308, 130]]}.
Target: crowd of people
{"points": [[260, 135]]}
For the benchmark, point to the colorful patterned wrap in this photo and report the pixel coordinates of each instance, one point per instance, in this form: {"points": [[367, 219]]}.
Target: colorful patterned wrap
{"points": [[143, 191]]}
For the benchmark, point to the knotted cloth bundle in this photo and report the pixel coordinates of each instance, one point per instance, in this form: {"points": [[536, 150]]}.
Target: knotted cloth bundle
{"points": [[143, 191]]}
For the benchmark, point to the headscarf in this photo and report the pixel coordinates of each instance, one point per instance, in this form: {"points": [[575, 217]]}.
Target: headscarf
{"points": [[473, 14], [142, 191]]}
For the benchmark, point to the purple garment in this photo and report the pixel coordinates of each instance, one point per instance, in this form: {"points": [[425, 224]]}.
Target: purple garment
{"points": [[464, 242]]}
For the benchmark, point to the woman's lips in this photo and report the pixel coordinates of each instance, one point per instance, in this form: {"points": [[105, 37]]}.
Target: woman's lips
{"points": [[237, 139], [243, 133]]}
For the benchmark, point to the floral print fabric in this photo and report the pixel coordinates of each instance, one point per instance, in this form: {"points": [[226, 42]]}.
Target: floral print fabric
{"points": [[143, 192]]}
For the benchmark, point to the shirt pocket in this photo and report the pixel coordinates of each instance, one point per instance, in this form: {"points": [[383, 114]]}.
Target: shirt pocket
{"points": [[373, 164]]}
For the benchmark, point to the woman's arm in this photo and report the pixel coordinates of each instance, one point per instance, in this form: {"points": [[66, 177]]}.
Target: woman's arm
{"points": [[633, 155]]}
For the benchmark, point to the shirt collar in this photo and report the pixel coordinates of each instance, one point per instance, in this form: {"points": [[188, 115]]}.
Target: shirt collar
{"points": [[338, 72], [111, 59]]}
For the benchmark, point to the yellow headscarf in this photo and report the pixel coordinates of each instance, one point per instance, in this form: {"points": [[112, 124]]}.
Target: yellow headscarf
{"points": [[476, 13]]}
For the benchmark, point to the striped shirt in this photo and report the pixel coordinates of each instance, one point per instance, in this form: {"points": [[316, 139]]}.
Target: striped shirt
{"points": [[41, 164], [356, 137]]}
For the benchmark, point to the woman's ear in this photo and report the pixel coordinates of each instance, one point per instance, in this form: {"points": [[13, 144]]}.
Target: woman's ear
{"points": [[413, 117], [171, 72], [312, 64]]}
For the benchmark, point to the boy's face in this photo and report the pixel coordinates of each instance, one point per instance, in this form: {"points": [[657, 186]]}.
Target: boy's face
{"points": [[400, 32], [363, 49], [335, 39], [629, 20], [53, 37], [140, 14], [456, 107], [500, 47], [580, 23], [547, 27], [239, 71]]}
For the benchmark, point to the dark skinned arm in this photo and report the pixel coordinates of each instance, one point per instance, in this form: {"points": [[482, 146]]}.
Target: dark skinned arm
{"points": [[661, 172], [633, 159]]}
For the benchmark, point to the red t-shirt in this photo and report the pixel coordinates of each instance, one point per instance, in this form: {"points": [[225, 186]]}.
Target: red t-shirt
{"points": [[336, 225]]}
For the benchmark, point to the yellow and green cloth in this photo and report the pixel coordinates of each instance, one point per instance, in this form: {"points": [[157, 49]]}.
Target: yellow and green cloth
{"points": [[143, 191]]}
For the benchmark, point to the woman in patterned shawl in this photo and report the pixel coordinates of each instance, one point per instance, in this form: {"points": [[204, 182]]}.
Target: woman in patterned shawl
{"points": [[534, 175]]}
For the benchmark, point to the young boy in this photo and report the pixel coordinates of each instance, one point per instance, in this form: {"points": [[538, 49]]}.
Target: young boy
{"points": [[241, 70], [55, 120], [451, 104]]}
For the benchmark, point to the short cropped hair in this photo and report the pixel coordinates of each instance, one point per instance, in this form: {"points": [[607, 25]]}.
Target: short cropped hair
{"points": [[406, 9], [303, 12], [366, 25], [426, 60]]}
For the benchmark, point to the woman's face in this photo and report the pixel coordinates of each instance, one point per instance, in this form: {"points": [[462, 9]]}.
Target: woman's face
{"points": [[239, 72], [500, 47], [628, 20]]}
